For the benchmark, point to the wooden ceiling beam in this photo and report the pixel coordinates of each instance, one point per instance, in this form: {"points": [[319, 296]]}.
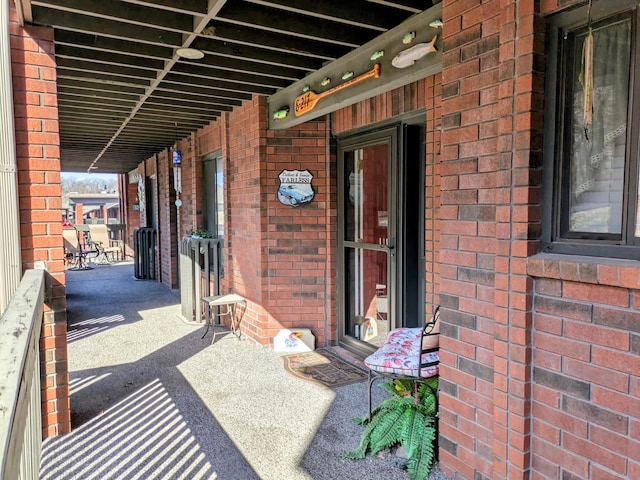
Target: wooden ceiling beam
{"points": [[230, 76], [239, 51], [195, 99], [108, 58], [287, 23], [138, 15], [240, 87], [247, 35], [106, 27], [357, 13], [194, 90]]}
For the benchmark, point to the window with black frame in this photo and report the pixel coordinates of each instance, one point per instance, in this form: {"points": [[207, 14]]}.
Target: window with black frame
{"points": [[591, 141], [213, 201]]}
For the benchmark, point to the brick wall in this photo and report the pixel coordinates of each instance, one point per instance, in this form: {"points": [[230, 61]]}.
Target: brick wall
{"points": [[537, 377], [279, 257], [191, 172], [298, 272], [278, 254], [586, 391], [386, 106], [173, 223], [78, 214], [586, 357], [167, 221], [433, 95], [132, 217], [486, 317], [40, 203], [245, 171]]}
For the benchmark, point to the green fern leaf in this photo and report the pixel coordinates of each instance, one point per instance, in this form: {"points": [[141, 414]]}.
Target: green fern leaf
{"points": [[357, 454], [419, 467], [390, 404], [361, 420], [413, 423], [386, 404], [405, 385], [361, 450], [426, 395], [429, 403], [432, 382], [365, 439], [389, 387], [387, 432]]}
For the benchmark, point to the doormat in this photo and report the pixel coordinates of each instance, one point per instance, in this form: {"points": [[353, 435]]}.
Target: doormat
{"points": [[323, 368]]}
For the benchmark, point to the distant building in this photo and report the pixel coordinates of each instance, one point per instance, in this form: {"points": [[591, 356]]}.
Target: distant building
{"points": [[92, 208]]}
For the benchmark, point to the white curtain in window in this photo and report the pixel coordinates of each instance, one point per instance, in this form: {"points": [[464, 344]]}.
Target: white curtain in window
{"points": [[598, 151]]}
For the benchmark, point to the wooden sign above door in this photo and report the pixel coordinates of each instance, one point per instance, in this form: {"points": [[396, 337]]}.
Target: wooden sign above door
{"points": [[367, 71], [308, 100]]}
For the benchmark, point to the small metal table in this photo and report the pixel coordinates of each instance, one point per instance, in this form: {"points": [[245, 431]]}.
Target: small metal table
{"points": [[226, 306]]}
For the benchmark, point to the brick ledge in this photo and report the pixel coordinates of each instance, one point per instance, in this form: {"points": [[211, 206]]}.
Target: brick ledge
{"points": [[594, 270]]}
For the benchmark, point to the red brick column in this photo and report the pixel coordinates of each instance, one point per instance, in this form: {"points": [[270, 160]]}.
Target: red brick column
{"points": [[79, 214], [469, 143], [474, 188], [169, 218], [491, 149], [132, 217], [40, 201], [517, 233]]}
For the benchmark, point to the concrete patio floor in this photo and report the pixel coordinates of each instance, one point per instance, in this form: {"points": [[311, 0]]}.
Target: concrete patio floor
{"points": [[150, 399]]}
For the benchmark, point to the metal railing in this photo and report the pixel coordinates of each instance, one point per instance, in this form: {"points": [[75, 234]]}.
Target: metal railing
{"points": [[199, 257], [20, 411]]}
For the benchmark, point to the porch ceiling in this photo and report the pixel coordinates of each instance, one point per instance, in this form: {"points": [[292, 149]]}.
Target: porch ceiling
{"points": [[122, 88]]}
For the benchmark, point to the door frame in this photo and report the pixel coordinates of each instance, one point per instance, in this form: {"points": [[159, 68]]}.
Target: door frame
{"points": [[395, 134]]}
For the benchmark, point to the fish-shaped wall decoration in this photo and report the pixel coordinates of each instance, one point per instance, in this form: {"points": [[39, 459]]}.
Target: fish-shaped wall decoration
{"points": [[408, 57], [408, 37], [281, 113]]}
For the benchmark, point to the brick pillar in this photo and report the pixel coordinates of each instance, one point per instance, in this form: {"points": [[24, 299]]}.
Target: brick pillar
{"points": [[520, 97], [169, 219], [79, 220], [132, 217], [40, 202], [105, 214], [470, 181], [490, 225]]}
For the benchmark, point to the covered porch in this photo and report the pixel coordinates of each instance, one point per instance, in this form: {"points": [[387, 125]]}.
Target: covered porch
{"points": [[151, 398], [448, 181]]}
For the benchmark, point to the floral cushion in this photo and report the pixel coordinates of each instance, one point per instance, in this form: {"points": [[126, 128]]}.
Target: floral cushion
{"points": [[399, 355]]}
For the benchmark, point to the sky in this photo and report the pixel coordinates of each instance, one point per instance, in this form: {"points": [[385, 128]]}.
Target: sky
{"points": [[88, 176]]}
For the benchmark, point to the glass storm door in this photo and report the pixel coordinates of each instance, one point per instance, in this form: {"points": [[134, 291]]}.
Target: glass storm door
{"points": [[367, 239], [381, 235]]}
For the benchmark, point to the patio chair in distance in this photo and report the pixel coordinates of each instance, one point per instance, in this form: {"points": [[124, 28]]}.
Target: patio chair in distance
{"points": [[108, 250], [73, 250], [407, 354]]}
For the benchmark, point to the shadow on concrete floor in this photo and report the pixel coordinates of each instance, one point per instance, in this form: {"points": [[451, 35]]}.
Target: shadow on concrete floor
{"points": [[151, 399]]}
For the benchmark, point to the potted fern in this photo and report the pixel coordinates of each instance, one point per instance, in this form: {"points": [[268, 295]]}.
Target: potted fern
{"points": [[407, 418]]}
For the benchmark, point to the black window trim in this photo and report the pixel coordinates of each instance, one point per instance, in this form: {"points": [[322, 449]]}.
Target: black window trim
{"points": [[554, 148]]}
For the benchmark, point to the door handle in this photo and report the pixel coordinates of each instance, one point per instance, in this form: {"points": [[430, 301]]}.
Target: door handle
{"points": [[391, 245]]}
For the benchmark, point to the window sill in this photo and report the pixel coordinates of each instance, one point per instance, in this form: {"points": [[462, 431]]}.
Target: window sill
{"points": [[595, 270]]}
